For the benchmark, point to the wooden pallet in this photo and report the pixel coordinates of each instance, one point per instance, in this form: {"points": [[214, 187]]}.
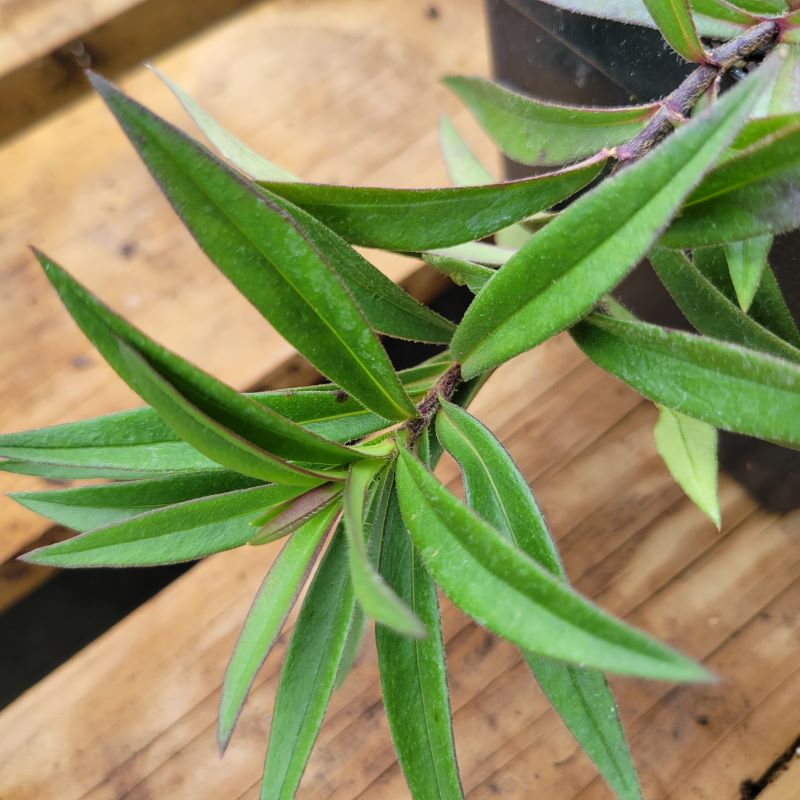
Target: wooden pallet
{"points": [[345, 90]]}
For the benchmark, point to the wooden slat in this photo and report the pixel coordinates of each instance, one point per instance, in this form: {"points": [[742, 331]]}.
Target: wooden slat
{"points": [[342, 90], [787, 784]]}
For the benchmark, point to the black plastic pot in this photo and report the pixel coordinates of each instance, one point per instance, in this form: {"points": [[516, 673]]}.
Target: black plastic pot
{"points": [[567, 57]]}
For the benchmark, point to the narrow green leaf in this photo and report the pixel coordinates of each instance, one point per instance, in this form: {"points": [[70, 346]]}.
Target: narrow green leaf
{"points": [[541, 133], [374, 595], [463, 273], [355, 638], [723, 384], [709, 310], [266, 255], [182, 532], [768, 308], [786, 89], [674, 20], [575, 259], [511, 595], [262, 626], [309, 672], [498, 492], [746, 262], [238, 153], [254, 422], [481, 252], [723, 10], [762, 6], [753, 193], [412, 220], [413, 672], [139, 444], [689, 449], [634, 12], [279, 522], [88, 507]]}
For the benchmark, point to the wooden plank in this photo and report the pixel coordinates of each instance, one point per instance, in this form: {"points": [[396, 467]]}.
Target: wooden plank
{"points": [[787, 784], [344, 90]]}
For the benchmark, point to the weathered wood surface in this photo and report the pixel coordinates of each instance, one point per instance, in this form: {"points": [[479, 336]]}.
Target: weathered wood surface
{"points": [[336, 91], [133, 714]]}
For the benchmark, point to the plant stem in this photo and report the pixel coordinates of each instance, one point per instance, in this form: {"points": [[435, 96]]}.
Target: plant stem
{"points": [[444, 387], [676, 106]]}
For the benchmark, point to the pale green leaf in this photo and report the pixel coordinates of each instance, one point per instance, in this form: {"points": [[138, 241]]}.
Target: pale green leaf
{"points": [[746, 262]]}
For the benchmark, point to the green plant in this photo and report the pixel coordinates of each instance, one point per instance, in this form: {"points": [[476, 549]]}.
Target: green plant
{"points": [[204, 468]]}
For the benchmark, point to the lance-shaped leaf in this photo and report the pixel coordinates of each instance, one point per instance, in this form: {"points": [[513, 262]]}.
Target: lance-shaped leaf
{"points": [[463, 273], [266, 255], [88, 507], [413, 672], [271, 606], [134, 357], [511, 595], [723, 10], [674, 20], [481, 252], [309, 672], [497, 491], [754, 193], [746, 262], [389, 309], [376, 598], [689, 449], [253, 421], [355, 638], [279, 522], [139, 444], [785, 90], [768, 307], [762, 6], [536, 132], [723, 384], [236, 151], [181, 532], [709, 310], [565, 268], [411, 220], [635, 12]]}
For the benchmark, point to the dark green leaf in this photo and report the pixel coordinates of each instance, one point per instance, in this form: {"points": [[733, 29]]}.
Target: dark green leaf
{"points": [[375, 597], [746, 262], [533, 131], [412, 220], [168, 535], [88, 507], [709, 310], [723, 384], [674, 20], [575, 259], [267, 256], [309, 672], [497, 491], [753, 193], [768, 307], [510, 594], [264, 621], [762, 6], [355, 638], [413, 672], [689, 449]]}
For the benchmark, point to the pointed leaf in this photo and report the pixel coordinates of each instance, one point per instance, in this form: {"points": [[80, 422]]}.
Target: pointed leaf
{"points": [[498, 492], [355, 638], [689, 449], [238, 153], [262, 626], [723, 384], [481, 252], [413, 672], [511, 595], [769, 308], [411, 220], [746, 261], [375, 597], [709, 310], [281, 521], [463, 167], [541, 133], [463, 273], [579, 256], [181, 532], [266, 255], [674, 20], [309, 672], [88, 507]]}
